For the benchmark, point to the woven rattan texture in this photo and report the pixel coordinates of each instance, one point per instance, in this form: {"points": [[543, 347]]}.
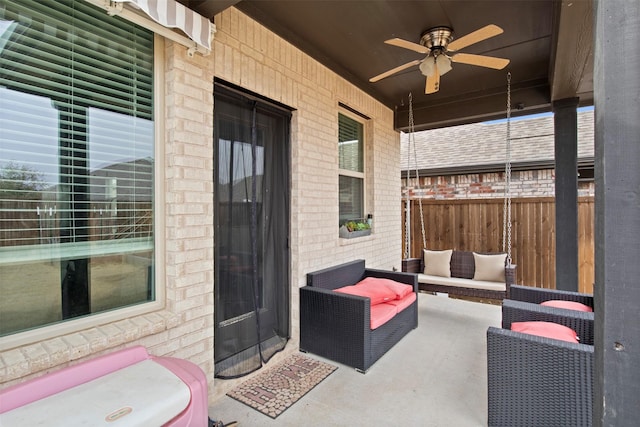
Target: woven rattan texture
{"points": [[337, 326], [518, 311], [537, 381], [538, 295], [463, 264]]}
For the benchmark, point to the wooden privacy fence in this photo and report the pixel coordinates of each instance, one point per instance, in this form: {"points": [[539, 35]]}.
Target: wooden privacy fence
{"points": [[477, 224]]}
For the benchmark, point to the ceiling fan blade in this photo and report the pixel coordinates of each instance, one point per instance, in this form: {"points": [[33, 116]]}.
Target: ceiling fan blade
{"points": [[480, 60], [394, 70], [408, 45], [475, 37], [433, 83]]}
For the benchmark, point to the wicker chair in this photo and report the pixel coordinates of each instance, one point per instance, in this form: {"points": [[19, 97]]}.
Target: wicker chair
{"points": [[337, 326], [538, 381], [538, 295]]}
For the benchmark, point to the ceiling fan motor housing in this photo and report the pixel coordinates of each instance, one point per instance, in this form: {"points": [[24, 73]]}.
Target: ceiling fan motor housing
{"points": [[437, 38]]}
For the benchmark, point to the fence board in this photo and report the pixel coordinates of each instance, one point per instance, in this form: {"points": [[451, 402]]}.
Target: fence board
{"points": [[476, 225]]}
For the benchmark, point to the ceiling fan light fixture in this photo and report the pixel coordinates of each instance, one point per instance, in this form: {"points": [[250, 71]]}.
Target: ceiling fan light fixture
{"points": [[444, 64], [428, 66]]}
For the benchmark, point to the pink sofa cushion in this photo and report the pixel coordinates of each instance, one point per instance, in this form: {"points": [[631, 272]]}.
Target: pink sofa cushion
{"points": [[381, 314], [376, 292], [569, 305], [546, 329], [403, 303], [400, 289]]}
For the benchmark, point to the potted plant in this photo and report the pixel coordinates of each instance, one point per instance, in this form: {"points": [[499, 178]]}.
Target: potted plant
{"points": [[354, 228]]}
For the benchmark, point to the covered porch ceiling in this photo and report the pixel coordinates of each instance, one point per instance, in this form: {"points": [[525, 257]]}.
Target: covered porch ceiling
{"points": [[549, 44]]}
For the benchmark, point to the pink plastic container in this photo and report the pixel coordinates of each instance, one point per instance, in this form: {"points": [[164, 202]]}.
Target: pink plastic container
{"points": [[92, 383]]}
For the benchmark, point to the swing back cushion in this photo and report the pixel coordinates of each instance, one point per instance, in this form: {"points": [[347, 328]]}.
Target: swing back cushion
{"points": [[437, 263], [489, 267]]}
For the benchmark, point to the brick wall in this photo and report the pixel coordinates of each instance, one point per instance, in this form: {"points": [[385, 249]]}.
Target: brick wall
{"points": [[245, 54], [534, 183]]}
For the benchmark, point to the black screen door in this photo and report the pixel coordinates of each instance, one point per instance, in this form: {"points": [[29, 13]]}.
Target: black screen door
{"points": [[251, 231]]}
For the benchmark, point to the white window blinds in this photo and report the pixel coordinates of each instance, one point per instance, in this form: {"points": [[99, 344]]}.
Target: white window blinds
{"points": [[76, 131]]}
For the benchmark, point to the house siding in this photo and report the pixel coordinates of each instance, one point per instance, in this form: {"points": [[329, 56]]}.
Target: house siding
{"points": [[246, 54]]}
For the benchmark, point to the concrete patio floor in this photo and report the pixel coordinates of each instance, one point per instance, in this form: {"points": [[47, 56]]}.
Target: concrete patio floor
{"points": [[435, 376]]}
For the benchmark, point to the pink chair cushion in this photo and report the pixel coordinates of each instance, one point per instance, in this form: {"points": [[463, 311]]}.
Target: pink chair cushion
{"points": [[400, 289], [569, 305], [381, 314], [403, 303], [376, 292], [546, 329]]}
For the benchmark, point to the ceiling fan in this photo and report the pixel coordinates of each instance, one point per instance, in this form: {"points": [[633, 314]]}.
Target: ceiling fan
{"points": [[442, 51]]}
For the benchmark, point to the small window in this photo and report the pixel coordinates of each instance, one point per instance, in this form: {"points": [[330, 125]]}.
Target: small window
{"points": [[351, 169]]}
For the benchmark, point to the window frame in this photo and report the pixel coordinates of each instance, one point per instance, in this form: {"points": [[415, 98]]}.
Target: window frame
{"points": [[75, 325], [363, 121]]}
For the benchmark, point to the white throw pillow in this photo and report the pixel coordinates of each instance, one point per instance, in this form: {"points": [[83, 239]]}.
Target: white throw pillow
{"points": [[437, 263], [489, 267]]}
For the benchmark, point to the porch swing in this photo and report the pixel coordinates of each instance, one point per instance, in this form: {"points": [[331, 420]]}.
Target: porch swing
{"points": [[469, 274]]}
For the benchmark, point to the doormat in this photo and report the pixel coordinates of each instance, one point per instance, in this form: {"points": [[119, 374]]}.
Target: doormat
{"points": [[278, 388]]}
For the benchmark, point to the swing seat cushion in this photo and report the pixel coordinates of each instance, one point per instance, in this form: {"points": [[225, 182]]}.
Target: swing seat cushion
{"points": [[462, 283]]}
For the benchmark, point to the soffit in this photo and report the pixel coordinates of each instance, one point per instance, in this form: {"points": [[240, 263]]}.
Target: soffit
{"points": [[548, 42]]}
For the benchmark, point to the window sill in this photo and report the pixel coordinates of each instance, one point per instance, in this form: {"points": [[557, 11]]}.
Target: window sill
{"points": [[355, 240], [51, 353], [354, 234]]}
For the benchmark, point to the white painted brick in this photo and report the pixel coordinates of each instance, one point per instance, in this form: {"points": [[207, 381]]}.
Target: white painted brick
{"points": [[15, 364], [96, 338], [78, 346], [58, 351]]}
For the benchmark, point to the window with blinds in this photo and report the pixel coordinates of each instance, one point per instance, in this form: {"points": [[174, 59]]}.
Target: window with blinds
{"points": [[351, 169], [76, 162]]}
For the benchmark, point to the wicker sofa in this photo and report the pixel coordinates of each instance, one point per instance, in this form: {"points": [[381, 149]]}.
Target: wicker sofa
{"points": [[539, 380], [337, 326], [462, 269]]}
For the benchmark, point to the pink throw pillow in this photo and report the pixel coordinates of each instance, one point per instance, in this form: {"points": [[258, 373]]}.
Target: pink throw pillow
{"points": [[546, 329], [403, 303], [401, 290], [376, 293], [569, 305], [381, 314]]}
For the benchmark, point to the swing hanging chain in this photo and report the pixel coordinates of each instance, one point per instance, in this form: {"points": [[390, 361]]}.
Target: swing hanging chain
{"points": [[415, 158], [506, 229], [407, 227]]}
